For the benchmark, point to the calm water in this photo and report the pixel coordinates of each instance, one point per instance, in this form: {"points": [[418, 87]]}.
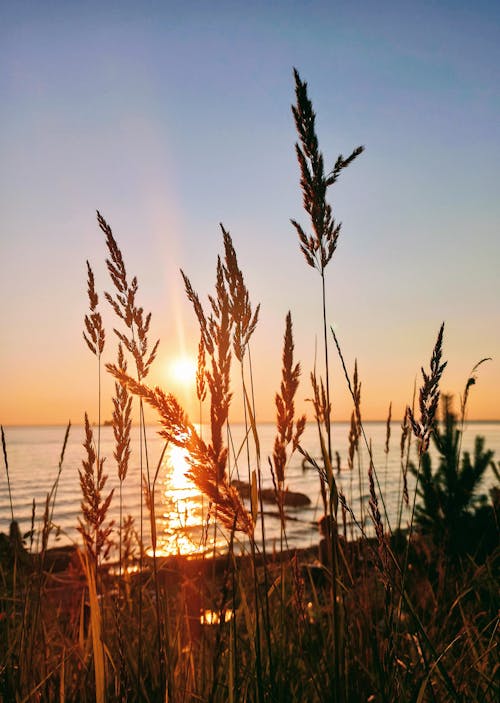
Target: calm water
{"points": [[33, 455]]}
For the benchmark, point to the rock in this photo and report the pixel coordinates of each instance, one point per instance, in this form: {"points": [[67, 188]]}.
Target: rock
{"points": [[291, 499]]}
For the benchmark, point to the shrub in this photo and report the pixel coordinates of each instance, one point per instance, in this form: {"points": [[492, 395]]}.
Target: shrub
{"points": [[450, 495]]}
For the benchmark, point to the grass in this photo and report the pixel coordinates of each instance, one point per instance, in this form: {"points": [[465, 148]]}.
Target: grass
{"points": [[389, 617]]}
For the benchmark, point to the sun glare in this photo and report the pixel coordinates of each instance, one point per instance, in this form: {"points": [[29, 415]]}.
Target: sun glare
{"points": [[182, 508], [182, 370]]}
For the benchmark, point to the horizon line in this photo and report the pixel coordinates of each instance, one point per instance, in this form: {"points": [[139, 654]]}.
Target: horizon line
{"points": [[240, 422]]}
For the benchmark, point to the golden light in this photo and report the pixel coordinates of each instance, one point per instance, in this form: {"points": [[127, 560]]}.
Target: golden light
{"points": [[182, 511], [182, 370], [210, 617], [177, 460], [182, 504]]}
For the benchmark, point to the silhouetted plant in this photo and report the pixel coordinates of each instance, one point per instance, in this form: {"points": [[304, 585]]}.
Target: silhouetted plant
{"points": [[428, 397], [319, 247], [450, 494], [93, 525]]}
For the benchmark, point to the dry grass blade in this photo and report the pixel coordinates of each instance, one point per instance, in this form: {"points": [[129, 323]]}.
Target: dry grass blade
{"points": [[428, 396], [93, 528], [322, 416], [96, 630], [355, 429], [405, 436], [377, 521], [95, 336], [471, 382], [201, 387], [388, 430], [319, 400], [321, 470], [198, 309], [241, 311], [122, 421], [125, 307], [319, 247], [353, 441], [216, 334], [6, 460], [115, 263], [285, 408], [55, 485], [220, 324], [64, 445], [356, 383]]}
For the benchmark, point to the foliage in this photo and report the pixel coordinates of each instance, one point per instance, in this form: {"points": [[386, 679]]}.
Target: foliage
{"points": [[450, 494]]}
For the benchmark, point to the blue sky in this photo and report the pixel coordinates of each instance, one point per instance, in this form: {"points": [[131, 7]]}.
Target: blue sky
{"points": [[172, 117]]}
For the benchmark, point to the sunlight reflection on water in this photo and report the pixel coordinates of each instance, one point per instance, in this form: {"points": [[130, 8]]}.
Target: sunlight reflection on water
{"points": [[182, 514]]}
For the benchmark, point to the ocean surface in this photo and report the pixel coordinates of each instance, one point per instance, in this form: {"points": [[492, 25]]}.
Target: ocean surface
{"points": [[34, 452]]}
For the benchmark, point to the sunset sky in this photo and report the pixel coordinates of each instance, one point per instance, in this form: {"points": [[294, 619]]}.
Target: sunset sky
{"points": [[170, 117]]}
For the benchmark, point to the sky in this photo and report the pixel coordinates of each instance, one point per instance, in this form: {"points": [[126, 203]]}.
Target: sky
{"points": [[172, 117]]}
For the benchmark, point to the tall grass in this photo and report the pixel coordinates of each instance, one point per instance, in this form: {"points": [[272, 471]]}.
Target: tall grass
{"points": [[319, 247], [367, 616]]}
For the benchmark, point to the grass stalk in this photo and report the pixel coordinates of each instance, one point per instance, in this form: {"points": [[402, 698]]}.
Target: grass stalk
{"points": [[6, 461]]}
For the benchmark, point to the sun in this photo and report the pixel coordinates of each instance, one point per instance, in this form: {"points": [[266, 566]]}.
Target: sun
{"points": [[182, 370]]}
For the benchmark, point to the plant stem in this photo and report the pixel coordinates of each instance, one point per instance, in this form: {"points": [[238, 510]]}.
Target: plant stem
{"points": [[327, 372]]}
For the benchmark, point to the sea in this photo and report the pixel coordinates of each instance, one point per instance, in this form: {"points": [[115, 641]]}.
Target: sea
{"points": [[33, 457]]}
